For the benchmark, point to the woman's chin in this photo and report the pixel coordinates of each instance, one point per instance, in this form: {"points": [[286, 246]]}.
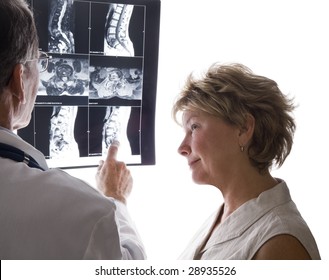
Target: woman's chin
{"points": [[199, 179]]}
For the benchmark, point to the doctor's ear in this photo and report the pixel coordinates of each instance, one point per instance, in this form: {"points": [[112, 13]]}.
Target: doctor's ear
{"points": [[247, 130], [16, 83]]}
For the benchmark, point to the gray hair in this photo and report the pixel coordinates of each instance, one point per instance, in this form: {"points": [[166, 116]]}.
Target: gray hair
{"points": [[18, 37]]}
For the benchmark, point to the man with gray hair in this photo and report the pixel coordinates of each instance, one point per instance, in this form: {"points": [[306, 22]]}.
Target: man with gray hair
{"points": [[46, 213]]}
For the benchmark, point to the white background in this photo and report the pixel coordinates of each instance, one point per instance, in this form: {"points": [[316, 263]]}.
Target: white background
{"points": [[286, 40]]}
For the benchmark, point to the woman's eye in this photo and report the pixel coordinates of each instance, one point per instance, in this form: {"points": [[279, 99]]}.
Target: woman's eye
{"points": [[193, 127]]}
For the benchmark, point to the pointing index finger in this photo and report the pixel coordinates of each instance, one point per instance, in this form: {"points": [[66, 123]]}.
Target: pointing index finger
{"points": [[113, 150]]}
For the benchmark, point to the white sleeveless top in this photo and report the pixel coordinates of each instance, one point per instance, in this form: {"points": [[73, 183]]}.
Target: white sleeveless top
{"points": [[242, 234]]}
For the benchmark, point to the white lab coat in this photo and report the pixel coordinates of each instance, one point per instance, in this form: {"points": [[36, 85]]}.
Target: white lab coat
{"points": [[52, 215]]}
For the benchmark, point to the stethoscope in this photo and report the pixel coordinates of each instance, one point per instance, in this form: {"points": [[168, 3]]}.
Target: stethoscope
{"points": [[10, 152]]}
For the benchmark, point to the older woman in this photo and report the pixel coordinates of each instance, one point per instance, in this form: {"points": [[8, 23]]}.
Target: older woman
{"points": [[237, 124]]}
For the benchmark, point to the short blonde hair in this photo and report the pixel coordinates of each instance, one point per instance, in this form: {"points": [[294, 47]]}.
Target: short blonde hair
{"points": [[231, 92]]}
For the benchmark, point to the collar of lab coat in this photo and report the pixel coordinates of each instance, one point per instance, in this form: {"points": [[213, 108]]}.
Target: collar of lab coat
{"points": [[10, 138]]}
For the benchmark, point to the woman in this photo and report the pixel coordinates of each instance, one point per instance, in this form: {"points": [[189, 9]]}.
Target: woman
{"points": [[237, 124]]}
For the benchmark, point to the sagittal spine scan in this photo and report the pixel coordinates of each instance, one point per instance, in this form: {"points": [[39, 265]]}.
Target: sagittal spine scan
{"points": [[115, 127], [60, 26], [117, 41], [62, 143]]}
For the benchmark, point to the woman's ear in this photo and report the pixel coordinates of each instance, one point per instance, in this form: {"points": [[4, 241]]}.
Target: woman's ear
{"points": [[247, 130], [16, 83]]}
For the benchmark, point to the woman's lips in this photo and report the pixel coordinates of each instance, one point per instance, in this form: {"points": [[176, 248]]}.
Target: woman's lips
{"points": [[192, 162]]}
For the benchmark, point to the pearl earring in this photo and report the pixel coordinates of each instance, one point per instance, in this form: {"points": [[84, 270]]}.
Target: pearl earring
{"points": [[242, 148]]}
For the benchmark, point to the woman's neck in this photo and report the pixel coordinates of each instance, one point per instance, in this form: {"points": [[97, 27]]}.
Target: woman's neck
{"points": [[243, 189]]}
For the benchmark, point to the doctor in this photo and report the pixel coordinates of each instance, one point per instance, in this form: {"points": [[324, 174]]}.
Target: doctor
{"points": [[46, 213]]}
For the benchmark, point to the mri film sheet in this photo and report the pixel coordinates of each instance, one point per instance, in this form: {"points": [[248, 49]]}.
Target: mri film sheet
{"points": [[100, 84]]}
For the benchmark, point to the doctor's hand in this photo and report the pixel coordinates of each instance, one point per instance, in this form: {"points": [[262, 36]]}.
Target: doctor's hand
{"points": [[113, 178]]}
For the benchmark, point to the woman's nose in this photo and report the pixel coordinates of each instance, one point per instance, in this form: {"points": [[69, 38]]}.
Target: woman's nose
{"points": [[184, 149]]}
